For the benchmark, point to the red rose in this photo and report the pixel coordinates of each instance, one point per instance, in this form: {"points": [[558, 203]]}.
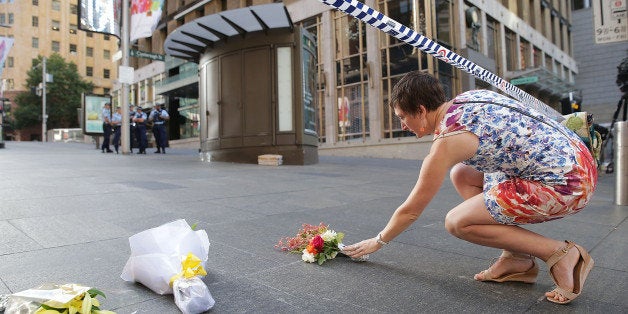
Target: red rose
{"points": [[317, 242]]}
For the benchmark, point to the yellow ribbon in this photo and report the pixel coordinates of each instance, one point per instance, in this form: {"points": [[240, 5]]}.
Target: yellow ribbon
{"points": [[191, 267]]}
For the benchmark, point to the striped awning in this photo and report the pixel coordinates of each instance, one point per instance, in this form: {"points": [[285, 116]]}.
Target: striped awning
{"points": [[192, 39]]}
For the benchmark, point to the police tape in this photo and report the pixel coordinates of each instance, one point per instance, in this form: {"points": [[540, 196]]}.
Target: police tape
{"points": [[378, 20]]}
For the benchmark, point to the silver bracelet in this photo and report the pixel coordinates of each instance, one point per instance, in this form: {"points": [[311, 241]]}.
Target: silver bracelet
{"points": [[379, 239]]}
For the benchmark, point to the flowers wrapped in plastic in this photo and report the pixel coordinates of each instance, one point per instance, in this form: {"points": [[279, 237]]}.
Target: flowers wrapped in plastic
{"points": [[170, 259], [315, 243], [54, 299]]}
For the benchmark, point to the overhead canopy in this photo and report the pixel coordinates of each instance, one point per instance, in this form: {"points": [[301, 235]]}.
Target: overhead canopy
{"points": [[543, 81], [190, 40]]}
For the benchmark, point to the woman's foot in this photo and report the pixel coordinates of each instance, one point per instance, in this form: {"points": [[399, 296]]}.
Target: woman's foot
{"points": [[569, 267], [510, 267]]}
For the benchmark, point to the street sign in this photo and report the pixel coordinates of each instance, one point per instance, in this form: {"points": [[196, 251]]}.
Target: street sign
{"points": [[146, 55], [524, 80], [610, 21], [125, 74]]}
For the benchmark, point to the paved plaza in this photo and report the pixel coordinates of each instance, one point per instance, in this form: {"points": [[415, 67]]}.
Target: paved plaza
{"points": [[67, 211]]}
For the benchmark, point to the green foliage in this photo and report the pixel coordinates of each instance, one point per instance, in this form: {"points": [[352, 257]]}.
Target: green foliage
{"points": [[93, 292], [63, 95]]}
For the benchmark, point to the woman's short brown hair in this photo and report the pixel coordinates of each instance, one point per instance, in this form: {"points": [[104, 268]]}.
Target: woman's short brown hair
{"points": [[414, 89]]}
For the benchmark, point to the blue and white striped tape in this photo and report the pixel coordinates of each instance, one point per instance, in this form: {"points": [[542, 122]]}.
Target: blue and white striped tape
{"points": [[376, 19]]}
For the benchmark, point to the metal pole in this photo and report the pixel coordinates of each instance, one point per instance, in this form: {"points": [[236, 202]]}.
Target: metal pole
{"points": [[43, 102], [2, 113], [125, 131], [621, 162]]}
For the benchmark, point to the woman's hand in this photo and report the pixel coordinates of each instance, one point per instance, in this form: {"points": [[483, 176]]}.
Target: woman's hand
{"points": [[362, 248]]}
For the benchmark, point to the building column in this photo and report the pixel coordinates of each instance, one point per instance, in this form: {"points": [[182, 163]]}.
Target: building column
{"points": [[329, 71], [375, 111]]}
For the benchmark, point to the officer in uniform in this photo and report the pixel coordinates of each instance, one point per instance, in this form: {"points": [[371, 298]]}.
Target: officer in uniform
{"points": [[116, 122], [159, 116], [132, 137], [140, 129], [106, 128]]}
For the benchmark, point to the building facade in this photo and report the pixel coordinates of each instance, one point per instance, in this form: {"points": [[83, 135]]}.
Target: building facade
{"points": [[595, 83], [527, 42], [44, 27]]}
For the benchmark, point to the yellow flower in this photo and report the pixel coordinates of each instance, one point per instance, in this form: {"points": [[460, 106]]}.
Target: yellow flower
{"points": [[42, 311], [87, 304], [191, 266]]}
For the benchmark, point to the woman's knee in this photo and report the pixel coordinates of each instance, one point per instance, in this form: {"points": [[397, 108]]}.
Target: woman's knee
{"points": [[466, 180], [453, 224]]}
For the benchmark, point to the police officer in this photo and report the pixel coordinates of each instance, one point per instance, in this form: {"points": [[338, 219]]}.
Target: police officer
{"points": [[140, 129], [116, 122], [133, 139], [106, 127], [159, 116]]}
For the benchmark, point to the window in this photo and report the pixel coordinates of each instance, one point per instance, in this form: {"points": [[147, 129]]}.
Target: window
{"points": [[538, 57], [89, 51], [399, 58], [35, 21], [56, 5], [10, 62], [11, 20], [314, 25], [444, 21], [525, 49], [73, 9], [351, 78], [106, 73], [56, 26], [35, 42], [56, 46], [73, 29], [512, 63], [35, 2], [89, 34], [106, 54], [89, 71], [106, 37], [3, 18], [73, 48], [492, 39]]}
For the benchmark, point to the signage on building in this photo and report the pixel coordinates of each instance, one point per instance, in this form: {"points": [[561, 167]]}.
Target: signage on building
{"points": [[524, 80], [146, 55], [610, 20]]}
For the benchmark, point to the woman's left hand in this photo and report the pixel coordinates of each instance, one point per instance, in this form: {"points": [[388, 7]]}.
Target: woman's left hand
{"points": [[362, 248]]}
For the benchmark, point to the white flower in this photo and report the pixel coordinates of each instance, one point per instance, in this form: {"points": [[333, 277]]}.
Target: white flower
{"points": [[308, 257], [329, 235]]}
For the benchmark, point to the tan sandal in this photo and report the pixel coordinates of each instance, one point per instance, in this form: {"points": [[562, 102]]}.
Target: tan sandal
{"points": [[528, 276], [580, 272]]}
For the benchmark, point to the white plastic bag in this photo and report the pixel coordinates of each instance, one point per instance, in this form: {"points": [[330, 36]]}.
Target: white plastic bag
{"points": [[156, 254], [192, 295]]}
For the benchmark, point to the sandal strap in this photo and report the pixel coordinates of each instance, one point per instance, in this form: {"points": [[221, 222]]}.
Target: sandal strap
{"points": [[516, 256], [559, 254], [566, 294]]}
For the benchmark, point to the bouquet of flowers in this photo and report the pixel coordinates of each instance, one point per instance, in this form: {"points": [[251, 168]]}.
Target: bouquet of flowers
{"points": [[170, 259], [316, 243], [52, 298]]}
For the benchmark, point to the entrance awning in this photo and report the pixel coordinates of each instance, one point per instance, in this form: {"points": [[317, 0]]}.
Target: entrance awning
{"points": [[542, 81], [192, 39]]}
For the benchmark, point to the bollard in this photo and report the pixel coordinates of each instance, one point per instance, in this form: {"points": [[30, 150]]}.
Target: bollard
{"points": [[621, 162]]}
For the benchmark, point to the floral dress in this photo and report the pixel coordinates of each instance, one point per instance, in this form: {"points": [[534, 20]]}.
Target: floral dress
{"points": [[534, 171]]}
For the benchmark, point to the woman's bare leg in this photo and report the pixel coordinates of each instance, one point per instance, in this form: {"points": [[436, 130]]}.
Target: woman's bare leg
{"points": [[471, 221], [467, 181]]}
